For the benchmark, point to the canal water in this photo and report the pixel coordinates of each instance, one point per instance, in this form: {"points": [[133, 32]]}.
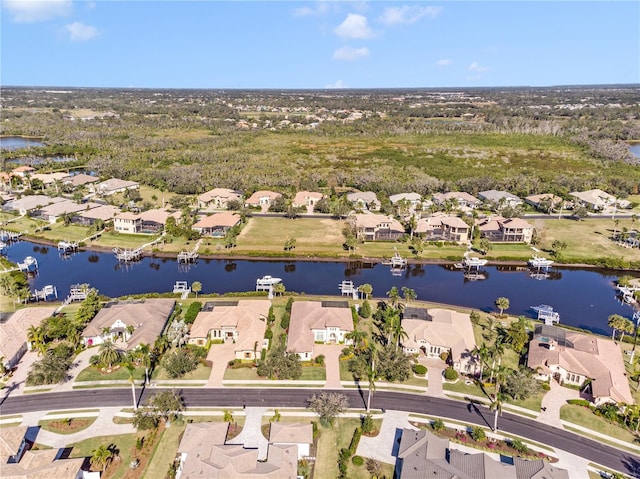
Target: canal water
{"points": [[584, 298]]}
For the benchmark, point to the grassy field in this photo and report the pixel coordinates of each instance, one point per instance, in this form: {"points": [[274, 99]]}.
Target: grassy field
{"points": [[584, 417]]}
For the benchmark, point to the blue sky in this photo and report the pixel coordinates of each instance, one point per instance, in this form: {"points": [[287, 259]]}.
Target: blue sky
{"points": [[260, 44]]}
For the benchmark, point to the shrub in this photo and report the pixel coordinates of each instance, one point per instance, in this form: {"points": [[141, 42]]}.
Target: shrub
{"points": [[365, 310], [353, 445], [477, 433], [519, 446], [357, 460], [367, 424], [319, 360], [450, 374], [545, 386], [286, 318], [579, 402], [437, 425], [444, 356], [192, 312], [419, 369], [289, 305]]}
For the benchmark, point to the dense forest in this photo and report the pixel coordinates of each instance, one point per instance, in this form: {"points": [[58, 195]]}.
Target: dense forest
{"points": [[527, 140]]}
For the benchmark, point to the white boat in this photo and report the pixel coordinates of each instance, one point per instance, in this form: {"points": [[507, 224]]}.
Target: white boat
{"points": [[473, 262], [268, 280], [540, 262]]}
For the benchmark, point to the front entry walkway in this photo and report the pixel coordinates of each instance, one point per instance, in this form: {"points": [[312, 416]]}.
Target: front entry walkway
{"points": [[219, 355], [331, 354], [384, 447], [555, 398], [435, 368]]}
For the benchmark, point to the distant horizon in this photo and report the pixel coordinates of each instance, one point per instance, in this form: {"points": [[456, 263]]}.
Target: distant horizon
{"points": [[341, 45]]}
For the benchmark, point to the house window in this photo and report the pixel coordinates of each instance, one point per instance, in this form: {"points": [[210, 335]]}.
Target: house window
{"points": [[247, 355]]}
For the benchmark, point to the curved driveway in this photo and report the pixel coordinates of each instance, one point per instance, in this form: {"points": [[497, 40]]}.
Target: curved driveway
{"points": [[201, 397]]}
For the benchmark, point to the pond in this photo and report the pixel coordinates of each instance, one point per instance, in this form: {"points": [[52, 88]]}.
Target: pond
{"points": [[17, 142]]}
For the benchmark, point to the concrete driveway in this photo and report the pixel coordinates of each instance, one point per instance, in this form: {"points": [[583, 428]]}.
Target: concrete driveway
{"points": [[219, 355], [331, 354]]}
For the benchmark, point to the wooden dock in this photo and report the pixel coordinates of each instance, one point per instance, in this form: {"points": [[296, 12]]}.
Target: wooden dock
{"points": [[189, 256], [49, 292], [127, 254], [67, 247]]}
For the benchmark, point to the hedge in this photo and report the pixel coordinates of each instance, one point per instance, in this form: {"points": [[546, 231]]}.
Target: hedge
{"points": [[419, 369]]}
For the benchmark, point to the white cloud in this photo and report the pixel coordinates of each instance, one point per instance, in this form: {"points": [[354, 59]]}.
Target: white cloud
{"points": [[79, 32], [407, 14], [476, 67], [350, 54], [354, 26], [31, 11], [320, 9], [445, 62], [338, 84]]}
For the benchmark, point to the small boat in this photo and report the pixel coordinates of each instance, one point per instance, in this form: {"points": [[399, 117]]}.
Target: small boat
{"points": [[268, 281], [473, 262], [540, 262]]}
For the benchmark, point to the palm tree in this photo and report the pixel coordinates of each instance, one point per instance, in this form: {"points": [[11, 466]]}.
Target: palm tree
{"points": [[35, 336], [358, 337], [409, 294], [366, 289], [196, 287], [132, 379], [394, 296], [279, 289], [482, 353], [101, 456], [143, 352], [399, 332], [626, 327], [496, 405], [371, 373], [502, 303], [615, 322], [497, 351], [109, 354]]}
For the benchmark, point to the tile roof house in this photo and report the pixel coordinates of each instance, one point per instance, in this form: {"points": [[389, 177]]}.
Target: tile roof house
{"points": [[48, 178], [217, 224], [14, 332], [147, 318], [148, 222], [243, 322], [22, 171], [18, 462], [307, 198], [463, 199], [127, 222], [375, 227], [262, 197], [544, 200], [52, 213], [113, 186], [424, 455], [102, 212], [79, 180], [292, 434], [203, 453], [414, 199], [318, 322], [218, 198], [435, 331], [500, 198], [507, 230], [442, 227], [364, 200], [573, 358], [30, 203], [594, 199]]}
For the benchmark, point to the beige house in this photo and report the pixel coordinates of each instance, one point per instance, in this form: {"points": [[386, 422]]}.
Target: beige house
{"points": [[544, 200], [205, 454], [318, 322], [500, 199], [48, 178], [462, 199], [14, 332], [52, 213], [435, 331], [506, 230], [218, 198], [113, 186], [18, 462], [79, 180], [217, 224], [127, 222], [442, 227], [307, 198], [292, 434], [148, 222], [594, 199], [134, 322], [242, 322], [572, 358], [103, 212], [375, 227], [22, 171], [262, 198], [30, 203], [364, 200]]}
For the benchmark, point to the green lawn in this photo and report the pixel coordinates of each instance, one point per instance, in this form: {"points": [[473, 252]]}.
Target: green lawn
{"points": [[313, 373], [584, 417], [76, 425], [533, 403], [94, 374], [469, 389], [241, 374], [165, 452], [201, 372], [124, 443]]}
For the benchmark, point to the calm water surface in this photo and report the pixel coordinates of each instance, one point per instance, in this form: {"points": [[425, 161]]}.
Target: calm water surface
{"points": [[584, 298], [17, 142]]}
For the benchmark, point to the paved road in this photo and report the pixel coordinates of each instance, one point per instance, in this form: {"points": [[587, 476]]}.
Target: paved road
{"points": [[572, 443]]}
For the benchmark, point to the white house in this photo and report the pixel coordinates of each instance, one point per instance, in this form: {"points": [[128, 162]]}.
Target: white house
{"points": [[364, 200], [500, 199], [594, 199]]}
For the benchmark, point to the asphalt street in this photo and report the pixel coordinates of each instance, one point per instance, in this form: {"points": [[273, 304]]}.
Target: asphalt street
{"points": [[233, 397]]}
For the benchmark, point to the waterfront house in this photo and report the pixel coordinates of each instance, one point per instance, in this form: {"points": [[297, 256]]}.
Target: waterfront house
{"points": [[422, 455], [499, 199], [218, 224], [313, 322], [242, 322], [307, 198], [148, 222], [595, 200], [30, 203], [127, 222], [113, 186], [219, 198], [14, 333], [462, 199], [56, 211], [436, 331], [376, 227], [505, 230], [262, 198], [17, 461], [204, 452], [80, 179], [544, 201], [577, 359], [133, 322], [364, 200], [442, 227], [103, 212]]}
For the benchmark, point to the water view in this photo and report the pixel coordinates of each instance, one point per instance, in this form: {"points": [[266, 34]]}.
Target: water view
{"points": [[635, 150], [584, 298], [17, 142]]}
